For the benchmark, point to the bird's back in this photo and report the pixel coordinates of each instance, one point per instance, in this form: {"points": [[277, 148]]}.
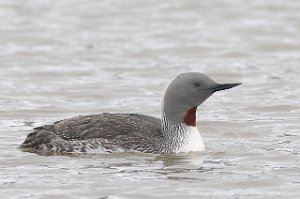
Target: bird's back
{"points": [[108, 132]]}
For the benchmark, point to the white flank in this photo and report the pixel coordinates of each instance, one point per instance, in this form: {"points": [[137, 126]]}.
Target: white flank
{"points": [[192, 141]]}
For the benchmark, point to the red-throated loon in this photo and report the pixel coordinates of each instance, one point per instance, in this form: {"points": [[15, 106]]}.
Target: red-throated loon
{"points": [[175, 132]]}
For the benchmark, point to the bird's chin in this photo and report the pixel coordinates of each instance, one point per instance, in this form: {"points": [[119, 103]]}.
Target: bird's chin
{"points": [[203, 99]]}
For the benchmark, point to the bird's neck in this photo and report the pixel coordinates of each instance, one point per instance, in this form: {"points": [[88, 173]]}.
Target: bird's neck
{"points": [[190, 117], [180, 135], [175, 115]]}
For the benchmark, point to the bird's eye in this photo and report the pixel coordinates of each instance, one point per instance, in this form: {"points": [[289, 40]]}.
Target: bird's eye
{"points": [[197, 84]]}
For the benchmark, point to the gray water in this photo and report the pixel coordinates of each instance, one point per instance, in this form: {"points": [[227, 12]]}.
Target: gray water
{"points": [[62, 58]]}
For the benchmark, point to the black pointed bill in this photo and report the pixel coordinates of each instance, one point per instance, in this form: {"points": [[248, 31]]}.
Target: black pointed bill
{"points": [[220, 87]]}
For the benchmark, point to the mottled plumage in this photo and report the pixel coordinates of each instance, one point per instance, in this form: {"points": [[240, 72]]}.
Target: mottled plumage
{"points": [[114, 132]]}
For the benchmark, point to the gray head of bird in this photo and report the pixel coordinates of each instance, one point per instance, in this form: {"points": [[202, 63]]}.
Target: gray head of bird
{"points": [[185, 93]]}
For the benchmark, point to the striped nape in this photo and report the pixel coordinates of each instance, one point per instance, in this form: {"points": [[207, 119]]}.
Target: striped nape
{"points": [[179, 137]]}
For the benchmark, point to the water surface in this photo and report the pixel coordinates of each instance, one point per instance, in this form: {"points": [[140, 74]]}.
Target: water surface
{"points": [[65, 58]]}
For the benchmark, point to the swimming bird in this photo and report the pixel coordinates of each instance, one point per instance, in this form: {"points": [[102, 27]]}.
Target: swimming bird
{"points": [[175, 132]]}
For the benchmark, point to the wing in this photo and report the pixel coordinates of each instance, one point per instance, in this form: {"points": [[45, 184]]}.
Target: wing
{"points": [[107, 126], [128, 131]]}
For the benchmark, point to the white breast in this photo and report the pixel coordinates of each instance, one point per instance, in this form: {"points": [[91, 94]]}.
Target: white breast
{"points": [[192, 141]]}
